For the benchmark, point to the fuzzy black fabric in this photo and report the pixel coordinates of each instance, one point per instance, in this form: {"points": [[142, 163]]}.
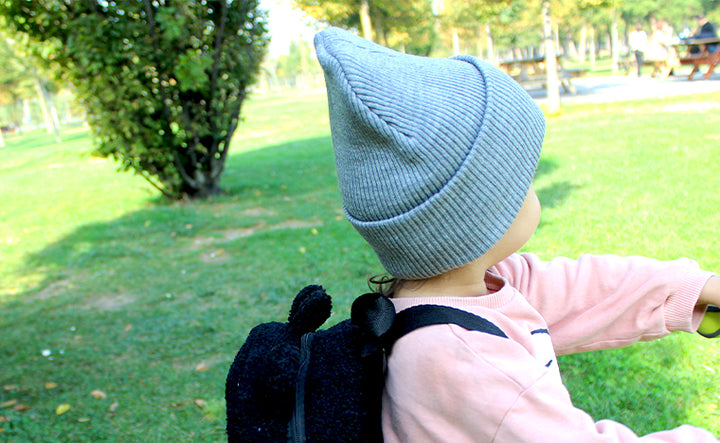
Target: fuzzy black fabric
{"points": [[343, 389], [260, 386], [343, 399]]}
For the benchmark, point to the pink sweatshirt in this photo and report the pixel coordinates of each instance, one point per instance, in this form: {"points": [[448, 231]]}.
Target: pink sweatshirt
{"points": [[452, 385]]}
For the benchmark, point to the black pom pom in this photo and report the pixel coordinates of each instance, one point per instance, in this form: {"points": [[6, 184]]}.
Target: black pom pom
{"points": [[310, 309]]}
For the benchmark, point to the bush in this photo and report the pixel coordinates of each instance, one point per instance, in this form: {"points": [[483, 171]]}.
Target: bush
{"points": [[163, 83]]}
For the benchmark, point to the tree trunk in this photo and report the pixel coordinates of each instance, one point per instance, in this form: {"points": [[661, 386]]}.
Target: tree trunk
{"points": [[455, 42], [572, 50], [583, 43], [490, 48], [593, 48], [365, 23], [377, 29], [48, 110], [551, 73], [614, 41], [26, 115], [2, 140]]}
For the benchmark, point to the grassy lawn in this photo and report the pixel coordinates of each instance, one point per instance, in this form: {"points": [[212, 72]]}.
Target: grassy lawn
{"points": [[129, 309]]}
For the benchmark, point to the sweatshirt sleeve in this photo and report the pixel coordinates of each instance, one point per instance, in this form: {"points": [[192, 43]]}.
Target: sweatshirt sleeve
{"points": [[605, 301]]}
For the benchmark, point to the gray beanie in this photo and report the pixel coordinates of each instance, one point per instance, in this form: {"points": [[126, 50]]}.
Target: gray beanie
{"points": [[434, 156]]}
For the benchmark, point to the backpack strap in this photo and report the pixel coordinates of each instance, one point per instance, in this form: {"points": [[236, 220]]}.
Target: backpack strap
{"points": [[420, 316], [374, 315]]}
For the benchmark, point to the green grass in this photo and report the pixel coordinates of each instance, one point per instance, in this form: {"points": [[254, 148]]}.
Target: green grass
{"points": [[148, 300]]}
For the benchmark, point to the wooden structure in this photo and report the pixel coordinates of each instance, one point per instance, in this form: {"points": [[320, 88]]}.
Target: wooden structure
{"points": [[702, 57], [530, 73]]}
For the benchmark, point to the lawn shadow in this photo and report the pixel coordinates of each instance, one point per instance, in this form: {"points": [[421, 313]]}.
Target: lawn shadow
{"points": [[546, 165], [263, 188], [555, 194]]}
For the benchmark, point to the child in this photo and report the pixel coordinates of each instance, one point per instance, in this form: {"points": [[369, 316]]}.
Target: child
{"points": [[435, 159]]}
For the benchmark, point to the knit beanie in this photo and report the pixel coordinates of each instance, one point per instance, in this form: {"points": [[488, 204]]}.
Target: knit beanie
{"points": [[434, 156]]}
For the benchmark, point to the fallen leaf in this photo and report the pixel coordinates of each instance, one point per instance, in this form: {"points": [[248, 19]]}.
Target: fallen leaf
{"points": [[84, 419], [127, 328], [21, 407], [98, 394], [200, 402], [4, 419], [8, 403], [303, 250], [201, 367], [113, 406], [11, 387], [63, 408], [51, 385]]}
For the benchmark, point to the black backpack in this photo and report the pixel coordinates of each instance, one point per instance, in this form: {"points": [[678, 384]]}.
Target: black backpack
{"points": [[290, 382]]}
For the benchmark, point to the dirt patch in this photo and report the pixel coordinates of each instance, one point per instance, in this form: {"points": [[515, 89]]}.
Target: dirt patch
{"points": [[227, 235], [258, 212], [53, 289], [296, 224], [232, 234], [110, 302]]}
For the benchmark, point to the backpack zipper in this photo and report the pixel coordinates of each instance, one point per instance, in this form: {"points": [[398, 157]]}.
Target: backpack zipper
{"points": [[297, 423]]}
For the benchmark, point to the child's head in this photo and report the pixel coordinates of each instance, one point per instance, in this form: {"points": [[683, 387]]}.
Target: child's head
{"points": [[434, 156]]}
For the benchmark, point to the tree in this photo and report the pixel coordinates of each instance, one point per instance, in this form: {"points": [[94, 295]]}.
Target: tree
{"points": [[407, 25], [551, 73], [473, 19], [163, 82], [20, 79]]}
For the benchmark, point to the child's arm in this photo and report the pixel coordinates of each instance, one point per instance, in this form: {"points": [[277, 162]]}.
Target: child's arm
{"points": [[601, 302]]}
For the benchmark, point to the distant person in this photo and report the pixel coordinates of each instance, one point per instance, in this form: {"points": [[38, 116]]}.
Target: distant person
{"points": [[660, 49], [638, 41], [705, 29], [659, 42]]}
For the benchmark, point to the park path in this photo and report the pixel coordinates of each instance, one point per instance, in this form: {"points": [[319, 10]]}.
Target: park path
{"points": [[622, 88]]}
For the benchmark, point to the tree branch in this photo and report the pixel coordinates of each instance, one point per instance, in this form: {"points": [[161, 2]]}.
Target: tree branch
{"points": [[183, 173], [147, 177]]}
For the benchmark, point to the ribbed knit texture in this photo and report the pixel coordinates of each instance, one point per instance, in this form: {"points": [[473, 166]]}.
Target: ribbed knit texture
{"points": [[434, 156]]}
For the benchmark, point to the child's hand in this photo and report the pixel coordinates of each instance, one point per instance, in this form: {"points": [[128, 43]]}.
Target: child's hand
{"points": [[710, 295]]}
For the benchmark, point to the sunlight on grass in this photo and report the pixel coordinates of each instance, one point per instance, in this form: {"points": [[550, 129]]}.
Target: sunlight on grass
{"points": [[148, 300]]}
